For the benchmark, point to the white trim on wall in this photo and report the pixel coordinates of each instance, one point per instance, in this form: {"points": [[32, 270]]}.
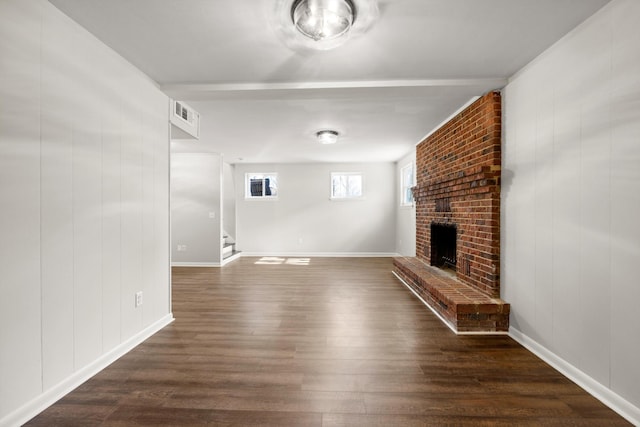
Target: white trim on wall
{"points": [[601, 392], [322, 254], [196, 264], [287, 255], [49, 397]]}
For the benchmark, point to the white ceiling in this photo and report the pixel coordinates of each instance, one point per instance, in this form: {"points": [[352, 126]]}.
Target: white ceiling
{"points": [[261, 98]]}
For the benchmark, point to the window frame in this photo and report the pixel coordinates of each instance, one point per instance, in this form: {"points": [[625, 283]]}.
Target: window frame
{"points": [[405, 188], [343, 198], [263, 175]]}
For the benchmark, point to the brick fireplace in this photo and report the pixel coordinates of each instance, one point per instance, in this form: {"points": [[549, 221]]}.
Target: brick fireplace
{"points": [[458, 184], [457, 198]]}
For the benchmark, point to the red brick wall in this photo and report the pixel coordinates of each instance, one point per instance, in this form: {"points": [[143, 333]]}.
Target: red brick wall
{"points": [[458, 182]]}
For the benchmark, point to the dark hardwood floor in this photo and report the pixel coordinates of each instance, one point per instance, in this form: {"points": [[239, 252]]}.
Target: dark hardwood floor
{"points": [[335, 342]]}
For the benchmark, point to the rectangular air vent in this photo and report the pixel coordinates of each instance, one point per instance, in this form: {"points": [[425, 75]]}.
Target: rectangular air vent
{"points": [[185, 121]]}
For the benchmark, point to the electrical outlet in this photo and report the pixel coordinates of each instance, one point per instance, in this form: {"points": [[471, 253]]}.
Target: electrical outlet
{"points": [[138, 298]]}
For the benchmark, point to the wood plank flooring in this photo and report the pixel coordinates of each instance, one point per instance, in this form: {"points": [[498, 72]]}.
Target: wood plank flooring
{"points": [[331, 342]]}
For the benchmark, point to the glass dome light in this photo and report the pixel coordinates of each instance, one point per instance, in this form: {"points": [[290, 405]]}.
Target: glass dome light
{"points": [[323, 19], [327, 136]]}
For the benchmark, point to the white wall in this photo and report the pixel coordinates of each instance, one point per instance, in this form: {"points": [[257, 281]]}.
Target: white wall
{"points": [[405, 215], [571, 204], [196, 202], [84, 200], [305, 221]]}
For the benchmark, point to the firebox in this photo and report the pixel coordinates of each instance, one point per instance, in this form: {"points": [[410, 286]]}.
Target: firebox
{"points": [[443, 245]]}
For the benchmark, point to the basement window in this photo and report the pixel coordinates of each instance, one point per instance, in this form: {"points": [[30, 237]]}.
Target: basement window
{"points": [[406, 182], [261, 186], [346, 185]]}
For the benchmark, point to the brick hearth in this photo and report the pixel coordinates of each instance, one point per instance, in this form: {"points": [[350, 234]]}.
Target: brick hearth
{"points": [[458, 185], [464, 308]]}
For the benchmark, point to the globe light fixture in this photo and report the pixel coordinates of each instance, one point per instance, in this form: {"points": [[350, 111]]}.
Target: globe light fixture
{"points": [[323, 19]]}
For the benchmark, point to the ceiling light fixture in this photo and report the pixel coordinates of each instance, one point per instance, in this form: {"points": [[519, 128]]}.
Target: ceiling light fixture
{"points": [[323, 19], [327, 136]]}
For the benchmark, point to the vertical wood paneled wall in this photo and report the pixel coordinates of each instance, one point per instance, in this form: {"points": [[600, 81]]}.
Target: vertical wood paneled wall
{"points": [[571, 200], [84, 167]]}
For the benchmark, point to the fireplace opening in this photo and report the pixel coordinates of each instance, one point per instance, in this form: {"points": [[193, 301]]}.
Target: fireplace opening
{"points": [[443, 246]]}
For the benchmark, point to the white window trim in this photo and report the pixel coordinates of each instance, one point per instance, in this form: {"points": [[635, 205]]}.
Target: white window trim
{"points": [[403, 186], [342, 199], [247, 191]]}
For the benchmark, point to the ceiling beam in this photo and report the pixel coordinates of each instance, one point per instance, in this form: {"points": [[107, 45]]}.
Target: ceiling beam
{"points": [[188, 90]]}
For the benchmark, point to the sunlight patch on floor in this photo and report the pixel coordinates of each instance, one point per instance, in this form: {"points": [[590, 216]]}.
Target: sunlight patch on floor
{"points": [[266, 260]]}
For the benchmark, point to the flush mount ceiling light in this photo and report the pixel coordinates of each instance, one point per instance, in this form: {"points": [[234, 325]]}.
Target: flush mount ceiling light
{"points": [[327, 136], [311, 25], [323, 19]]}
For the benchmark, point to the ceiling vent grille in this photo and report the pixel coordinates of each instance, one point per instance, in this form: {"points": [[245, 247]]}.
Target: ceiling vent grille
{"points": [[185, 121]]}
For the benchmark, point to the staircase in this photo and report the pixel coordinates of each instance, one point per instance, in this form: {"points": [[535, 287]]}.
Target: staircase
{"points": [[228, 249]]}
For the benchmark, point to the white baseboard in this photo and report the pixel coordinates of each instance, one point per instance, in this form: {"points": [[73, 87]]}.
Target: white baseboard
{"points": [[196, 264], [607, 396], [288, 255], [50, 396], [323, 254]]}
